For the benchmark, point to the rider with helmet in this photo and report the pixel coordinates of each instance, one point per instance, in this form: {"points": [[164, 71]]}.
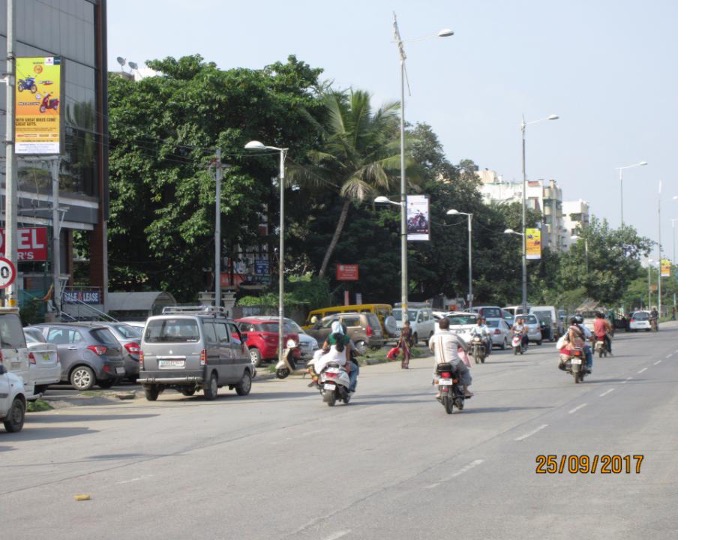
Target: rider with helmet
{"points": [[577, 334]]}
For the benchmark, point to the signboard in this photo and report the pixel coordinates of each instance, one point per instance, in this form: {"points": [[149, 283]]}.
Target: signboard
{"points": [[665, 268], [533, 244], [418, 217], [37, 105], [347, 272], [7, 273], [31, 244], [86, 296]]}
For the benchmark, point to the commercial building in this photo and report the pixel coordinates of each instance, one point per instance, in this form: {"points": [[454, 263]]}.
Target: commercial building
{"points": [[75, 31]]}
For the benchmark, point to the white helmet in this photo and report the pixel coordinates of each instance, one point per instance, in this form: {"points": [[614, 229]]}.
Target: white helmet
{"points": [[291, 344]]}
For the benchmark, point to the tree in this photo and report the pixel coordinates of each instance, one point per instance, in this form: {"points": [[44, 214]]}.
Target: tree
{"points": [[355, 154]]}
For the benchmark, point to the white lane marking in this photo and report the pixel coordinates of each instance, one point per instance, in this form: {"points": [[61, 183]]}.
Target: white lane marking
{"points": [[533, 432], [643, 369], [135, 479], [572, 411], [656, 363], [626, 380], [456, 473], [607, 392], [670, 355], [338, 534]]}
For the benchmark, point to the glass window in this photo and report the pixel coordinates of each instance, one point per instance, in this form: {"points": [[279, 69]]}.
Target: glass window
{"points": [[210, 331], [221, 330], [11, 331], [104, 336], [172, 331]]}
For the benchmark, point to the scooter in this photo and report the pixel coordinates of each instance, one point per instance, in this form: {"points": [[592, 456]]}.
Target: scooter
{"points": [[286, 364], [600, 347], [517, 344], [48, 103], [478, 349], [334, 384], [452, 393], [27, 84]]}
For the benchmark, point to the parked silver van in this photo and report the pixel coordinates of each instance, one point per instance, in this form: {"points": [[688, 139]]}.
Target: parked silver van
{"points": [[193, 348]]}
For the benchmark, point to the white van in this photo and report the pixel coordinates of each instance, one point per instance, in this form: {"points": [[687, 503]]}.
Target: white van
{"points": [[13, 351], [552, 325]]}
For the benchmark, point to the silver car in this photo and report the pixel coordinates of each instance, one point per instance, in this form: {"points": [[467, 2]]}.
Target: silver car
{"points": [[308, 344], [129, 337], [499, 332]]}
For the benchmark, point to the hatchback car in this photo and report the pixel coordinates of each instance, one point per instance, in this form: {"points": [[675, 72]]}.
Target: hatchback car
{"points": [[260, 334], [363, 328], [129, 337], [89, 353], [639, 320], [308, 344], [45, 368], [534, 328], [461, 323], [499, 332]]}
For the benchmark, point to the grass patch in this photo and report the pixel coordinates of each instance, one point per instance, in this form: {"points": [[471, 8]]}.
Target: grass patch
{"points": [[38, 405]]}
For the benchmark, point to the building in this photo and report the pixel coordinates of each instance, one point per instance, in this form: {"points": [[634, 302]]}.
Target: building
{"points": [[74, 30], [576, 215]]}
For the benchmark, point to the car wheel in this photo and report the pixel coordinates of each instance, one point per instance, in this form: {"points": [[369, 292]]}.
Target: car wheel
{"points": [[255, 357], [151, 392], [210, 390], [244, 386], [361, 346], [187, 391], [504, 344], [427, 341], [82, 378], [539, 342], [41, 388], [415, 340], [15, 419]]}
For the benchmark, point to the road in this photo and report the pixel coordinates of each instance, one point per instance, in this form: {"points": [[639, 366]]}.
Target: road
{"points": [[279, 463]]}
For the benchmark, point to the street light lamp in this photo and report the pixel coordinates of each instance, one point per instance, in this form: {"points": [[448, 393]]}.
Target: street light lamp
{"points": [[620, 170], [454, 212], [403, 183], [256, 145], [524, 207]]}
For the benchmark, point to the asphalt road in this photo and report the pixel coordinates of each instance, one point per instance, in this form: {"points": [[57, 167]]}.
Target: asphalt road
{"points": [[279, 463]]}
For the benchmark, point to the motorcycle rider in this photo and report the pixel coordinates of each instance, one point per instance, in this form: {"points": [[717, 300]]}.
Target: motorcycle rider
{"points": [[603, 329], [580, 330], [338, 333], [521, 329], [483, 332], [445, 346]]}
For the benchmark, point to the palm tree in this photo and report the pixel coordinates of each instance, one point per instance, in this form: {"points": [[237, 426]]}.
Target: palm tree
{"points": [[358, 149]]}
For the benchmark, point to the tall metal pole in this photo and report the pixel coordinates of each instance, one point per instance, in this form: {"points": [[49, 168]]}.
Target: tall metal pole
{"points": [[281, 265], [470, 290], [403, 184], [622, 219], [659, 307], [524, 235], [218, 181], [56, 224], [10, 172]]}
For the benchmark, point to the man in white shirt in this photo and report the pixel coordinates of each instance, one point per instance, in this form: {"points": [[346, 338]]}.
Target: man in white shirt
{"points": [[445, 346]]}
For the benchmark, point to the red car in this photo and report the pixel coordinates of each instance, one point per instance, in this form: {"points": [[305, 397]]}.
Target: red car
{"points": [[260, 334]]}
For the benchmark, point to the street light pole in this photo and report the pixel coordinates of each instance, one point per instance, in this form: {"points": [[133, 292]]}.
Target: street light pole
{"points": [[454, 212], [403, 182], [524, 208], [620, 170], [255, 145]]}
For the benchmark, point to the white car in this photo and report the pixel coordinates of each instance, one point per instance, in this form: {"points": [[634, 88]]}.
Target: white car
{"points": [[422, 321], [499, 332], [45, 367], [461, 323], [13, 403], [639, 320], [534, 328]]}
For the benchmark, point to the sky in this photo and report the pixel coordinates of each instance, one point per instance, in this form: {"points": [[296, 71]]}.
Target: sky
{"points": [[607, 68]]}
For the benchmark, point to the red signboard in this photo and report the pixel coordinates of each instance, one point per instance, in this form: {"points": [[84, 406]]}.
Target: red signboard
{"points": [[31, 243], [347, 272]]}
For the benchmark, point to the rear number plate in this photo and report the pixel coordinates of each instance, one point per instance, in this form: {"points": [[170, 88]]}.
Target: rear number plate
{"points": [[445, 382], [576, 361], [164, 364], [329, 387]]}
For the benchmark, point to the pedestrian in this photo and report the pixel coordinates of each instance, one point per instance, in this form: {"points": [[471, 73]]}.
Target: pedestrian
{"points": [[405, 343]]}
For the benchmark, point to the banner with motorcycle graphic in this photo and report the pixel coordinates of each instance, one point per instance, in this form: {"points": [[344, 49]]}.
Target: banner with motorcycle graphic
{"points": [[533, 244], [418, 217], [37, 105]]}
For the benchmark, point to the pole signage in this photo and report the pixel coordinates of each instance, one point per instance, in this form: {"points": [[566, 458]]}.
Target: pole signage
{"points": [[38, 99]]}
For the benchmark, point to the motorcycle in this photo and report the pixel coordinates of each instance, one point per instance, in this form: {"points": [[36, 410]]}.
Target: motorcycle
{"points": [[452, 393], [48, 103], [478, 349], [286, 364], [27, 84], [600, 347], [517, 344], [577, 364]]}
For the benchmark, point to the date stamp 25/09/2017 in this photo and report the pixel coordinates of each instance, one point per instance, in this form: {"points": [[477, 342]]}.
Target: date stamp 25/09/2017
{"points": [[588, 464]]}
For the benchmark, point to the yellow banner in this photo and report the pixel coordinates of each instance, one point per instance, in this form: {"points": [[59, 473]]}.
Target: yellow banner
{"points": [[665, 268], [533, 244], [37, 105]]}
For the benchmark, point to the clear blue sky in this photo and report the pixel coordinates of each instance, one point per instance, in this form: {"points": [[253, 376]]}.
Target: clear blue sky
{"points": [[608, 68]]}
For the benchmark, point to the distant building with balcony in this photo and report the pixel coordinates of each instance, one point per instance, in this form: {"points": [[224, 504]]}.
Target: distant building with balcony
{"points": [[575, 216]]}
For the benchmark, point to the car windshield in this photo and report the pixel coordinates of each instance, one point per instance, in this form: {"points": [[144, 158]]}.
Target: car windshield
{"points": [[529, 319], [294, 327], [641, 316], [493, 324], [128, 332], [458, 320]]}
